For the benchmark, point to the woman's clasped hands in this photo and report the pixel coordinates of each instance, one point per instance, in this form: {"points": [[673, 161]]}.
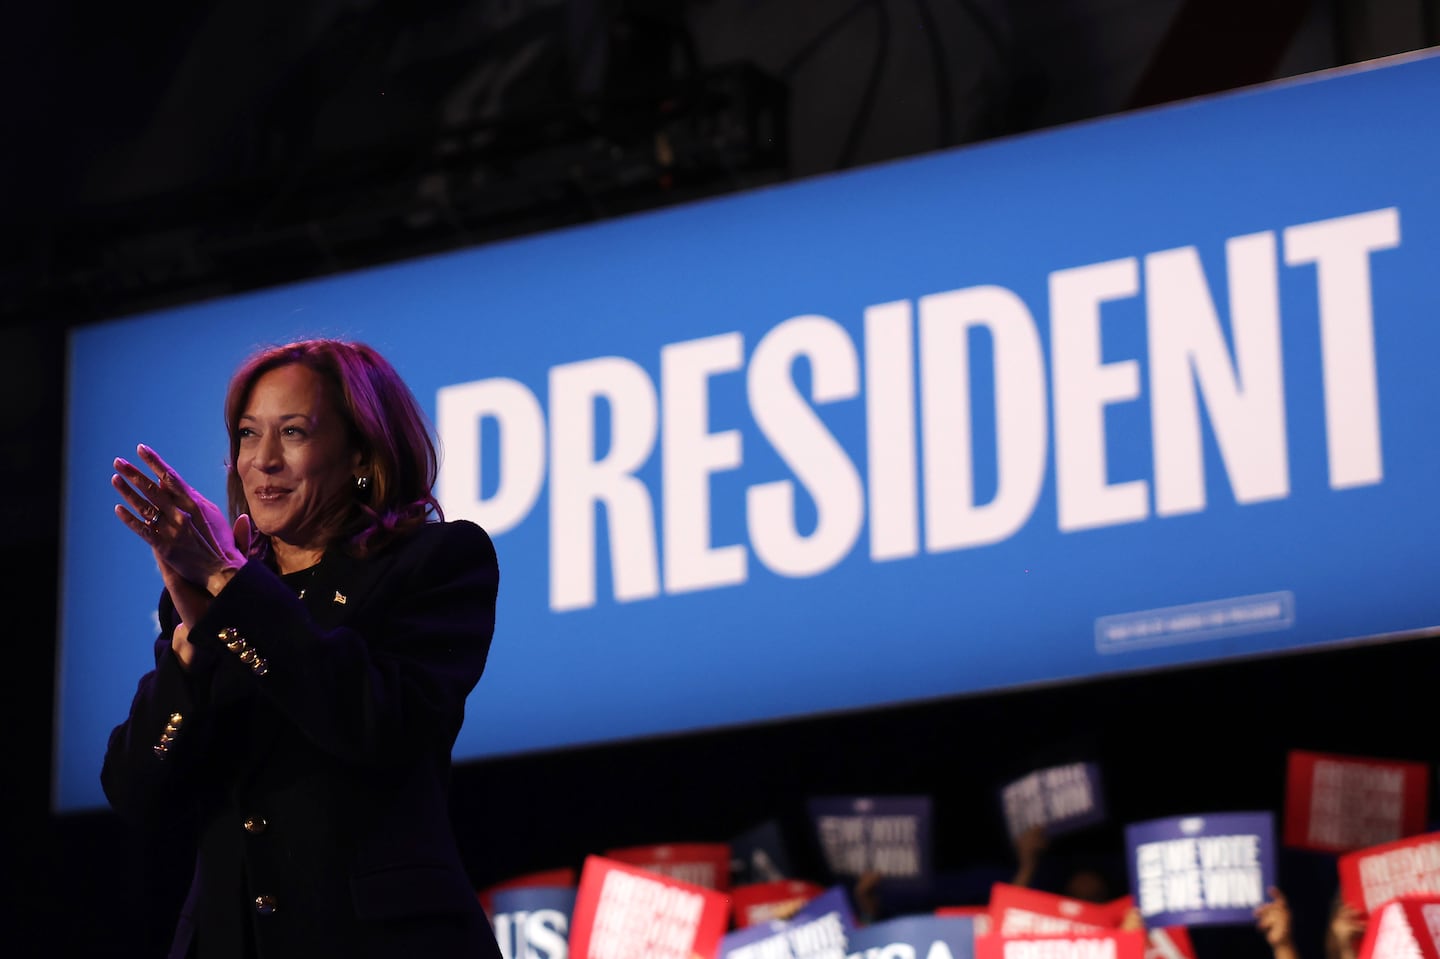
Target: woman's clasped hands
{"points": [[196, 548]]}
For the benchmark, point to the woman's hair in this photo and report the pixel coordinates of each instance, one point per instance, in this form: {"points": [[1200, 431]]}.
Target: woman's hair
{"points": [[382, 420]]}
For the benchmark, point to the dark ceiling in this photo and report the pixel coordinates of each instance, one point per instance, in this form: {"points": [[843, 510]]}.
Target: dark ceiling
{"points": [[174, 151]]}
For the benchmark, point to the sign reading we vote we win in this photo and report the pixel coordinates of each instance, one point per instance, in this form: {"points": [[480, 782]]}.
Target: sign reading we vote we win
{"points": [[1201, 870], [1058, 799], [888, 836], [821, 929]]}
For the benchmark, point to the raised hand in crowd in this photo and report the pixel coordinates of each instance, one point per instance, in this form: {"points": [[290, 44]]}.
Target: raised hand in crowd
{"points": [[1273, 920], [866, 897], [1346, 929], [1029, 846]]}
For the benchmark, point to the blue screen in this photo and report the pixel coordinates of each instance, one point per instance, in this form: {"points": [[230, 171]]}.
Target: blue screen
{"points": [[1132, 394]]}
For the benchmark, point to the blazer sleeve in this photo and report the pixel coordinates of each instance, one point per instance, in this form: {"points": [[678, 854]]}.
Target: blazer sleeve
{"points": [[394, 677], [152, 758]]}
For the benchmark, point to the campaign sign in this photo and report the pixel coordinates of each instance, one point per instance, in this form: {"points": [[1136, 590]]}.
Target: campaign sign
{"points": [[1059, 798], [1172, 942], [701, 863], [756, 902], [1339, 803], [1201, 870], [1090, 945], [915, 937], [624, 912], [1373, 876], [563, 876], [533, 922], [886, 835], [978, 915], [1405, 928], [821, 929], [759, 855], [1020, 911]]}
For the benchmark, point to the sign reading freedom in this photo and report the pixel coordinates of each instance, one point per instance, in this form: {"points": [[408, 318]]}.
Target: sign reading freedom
{"points": [[1137, 393]]}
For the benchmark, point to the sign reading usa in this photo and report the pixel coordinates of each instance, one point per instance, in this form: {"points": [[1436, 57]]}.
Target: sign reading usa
{"points": [[1130, 394]]}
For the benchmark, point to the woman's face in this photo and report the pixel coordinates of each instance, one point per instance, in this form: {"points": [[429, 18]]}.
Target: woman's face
{"points": [[294, 457]]}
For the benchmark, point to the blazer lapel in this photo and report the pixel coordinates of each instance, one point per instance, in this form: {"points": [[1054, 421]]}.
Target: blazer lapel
{"points": [[335, 595]]}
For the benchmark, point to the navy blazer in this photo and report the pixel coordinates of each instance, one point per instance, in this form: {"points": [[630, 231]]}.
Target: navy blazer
{"points": [[310, 741]]}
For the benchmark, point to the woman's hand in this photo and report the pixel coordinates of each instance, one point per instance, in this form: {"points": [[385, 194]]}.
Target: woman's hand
{"points": [[181, 646], [188, 533], [191, 601]]}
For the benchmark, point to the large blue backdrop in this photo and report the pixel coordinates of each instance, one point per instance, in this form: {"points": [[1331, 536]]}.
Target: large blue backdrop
{"points": [[1142, 392]]}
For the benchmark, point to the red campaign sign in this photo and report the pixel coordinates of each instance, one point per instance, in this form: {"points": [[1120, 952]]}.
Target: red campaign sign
{"points": [[1170, 942], [1018, 911], [762, 901], [625, 912], [698, 863], [563, 877], [1336, 803], [1371, 877], [1407, 928], [980, 915], [1092, 945]]}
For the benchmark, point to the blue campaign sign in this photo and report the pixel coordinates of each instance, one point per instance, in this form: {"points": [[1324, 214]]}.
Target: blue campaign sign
{"points": [[1136, 393], [820, 929], [1058, 799], [885, 835], [1201, 870], [533, 922], [915, 937]]}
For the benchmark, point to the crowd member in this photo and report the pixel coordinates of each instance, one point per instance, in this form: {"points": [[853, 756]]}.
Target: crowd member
{"points": [[1030, 846], [1273, 920], [1344, 931], [316, 649], [1081, 880]]}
